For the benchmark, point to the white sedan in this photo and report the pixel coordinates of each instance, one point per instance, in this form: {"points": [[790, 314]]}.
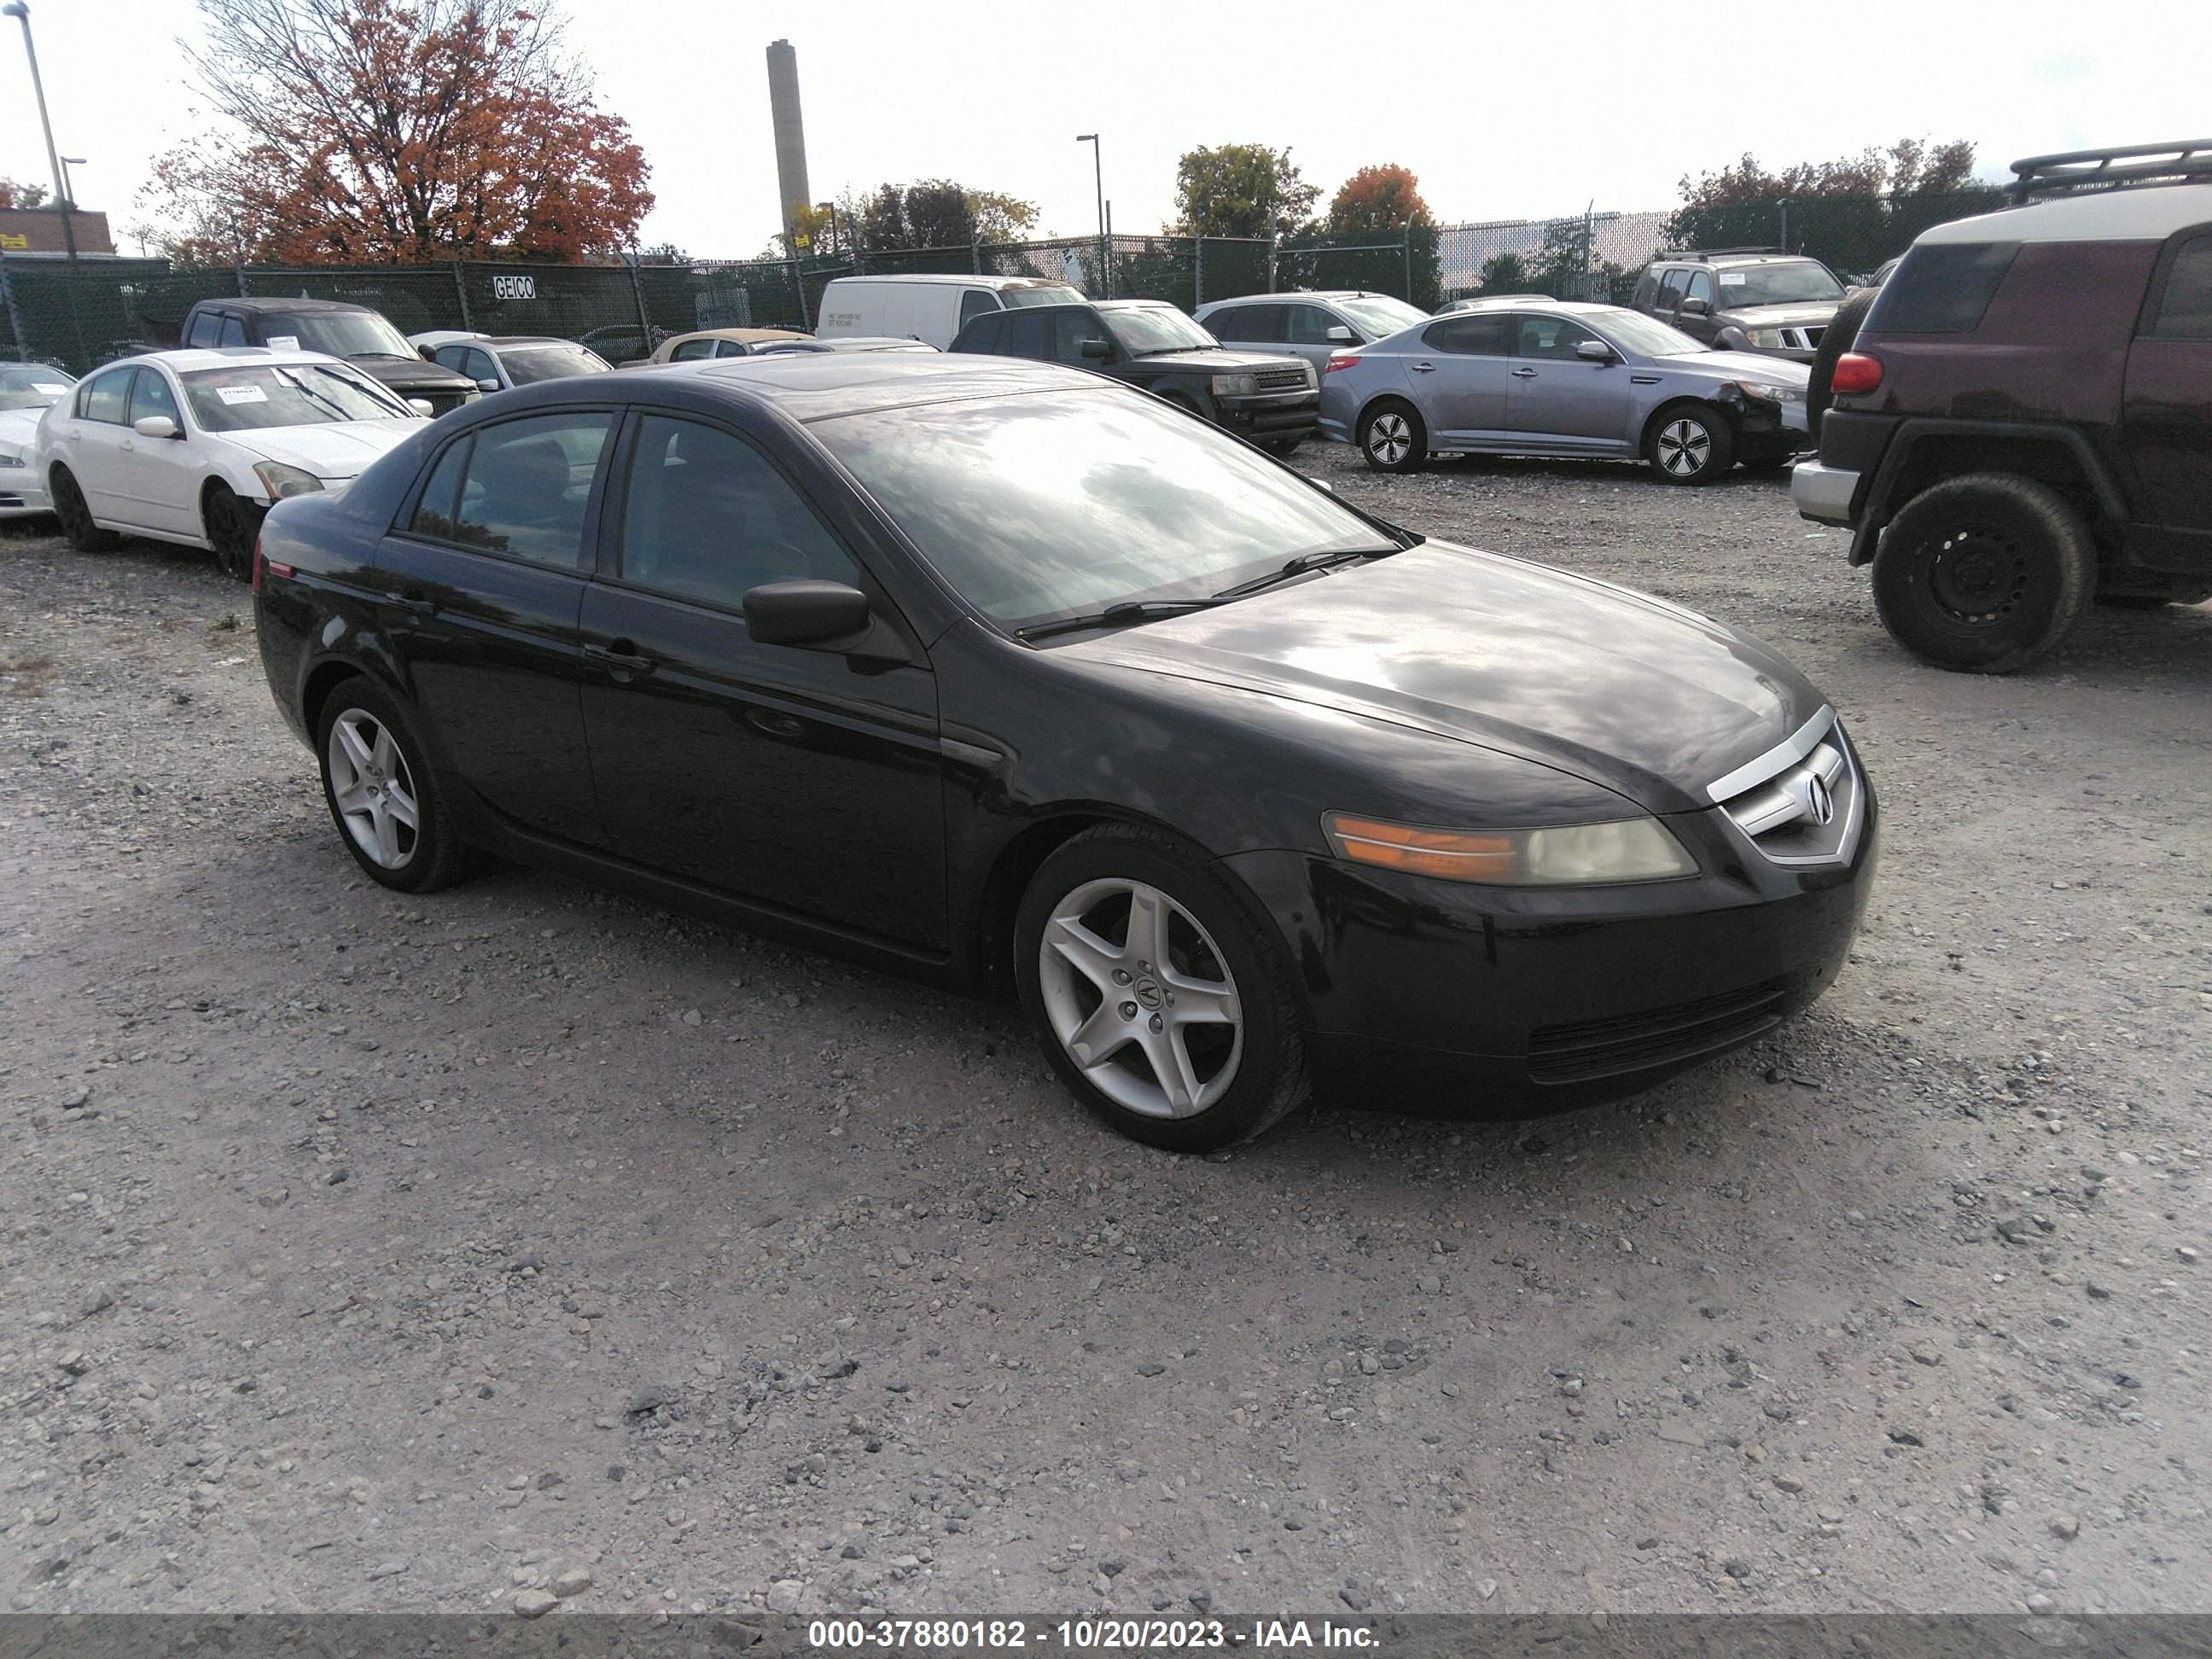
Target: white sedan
{"points": [[194, 446], [26, 389]]}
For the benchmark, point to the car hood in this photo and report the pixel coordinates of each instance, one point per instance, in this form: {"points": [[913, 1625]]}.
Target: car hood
{"points": [[1224, 362], [335, 449], [1622, 689], [1791, 315], [413, 372], [1732, 365]]}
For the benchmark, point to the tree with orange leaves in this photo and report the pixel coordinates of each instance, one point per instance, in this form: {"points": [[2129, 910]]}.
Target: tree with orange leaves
{"points": [[1377, 198], [395, 132]]}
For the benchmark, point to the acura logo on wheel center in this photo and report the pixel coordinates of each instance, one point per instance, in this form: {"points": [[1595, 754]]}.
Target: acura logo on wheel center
{"points": [[1148, 993]]}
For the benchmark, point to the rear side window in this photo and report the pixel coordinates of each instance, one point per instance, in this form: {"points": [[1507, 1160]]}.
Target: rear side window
{"points": [[690, 350], [1467, 337], [2184, 309], [1942, 287], [234, 332], [524, 486]]}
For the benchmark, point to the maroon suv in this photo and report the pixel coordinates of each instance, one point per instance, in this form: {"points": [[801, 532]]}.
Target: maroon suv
{"points": [[2024, 420]]}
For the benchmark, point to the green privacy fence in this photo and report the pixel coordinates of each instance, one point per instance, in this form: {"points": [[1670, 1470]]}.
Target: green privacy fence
{"points": [[83, 311]]}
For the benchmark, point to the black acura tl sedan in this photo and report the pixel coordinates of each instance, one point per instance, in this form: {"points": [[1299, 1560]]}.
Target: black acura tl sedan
{"points": [[1004, 676]]}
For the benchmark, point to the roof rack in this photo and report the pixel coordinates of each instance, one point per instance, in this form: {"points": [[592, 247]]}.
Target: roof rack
{"points": [[1711, 253], [2110, 169]]}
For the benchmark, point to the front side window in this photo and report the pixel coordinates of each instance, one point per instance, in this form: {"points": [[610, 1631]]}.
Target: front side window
{"points": [[707, 518], [105, 396], [1043, 505], [245, 396], [2185, 310], [1701, 287], [451, 356], [207, 329], [234, 332], [150, 395], [520, 488], [33, 386], [732, 349], [1310, 324], [1548, 336], [478, 365], [1671, 287], [1071, 329], [1468, 335]]}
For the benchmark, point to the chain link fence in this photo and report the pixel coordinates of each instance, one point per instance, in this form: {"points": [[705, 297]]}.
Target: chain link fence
{"points": [[78, 314]]}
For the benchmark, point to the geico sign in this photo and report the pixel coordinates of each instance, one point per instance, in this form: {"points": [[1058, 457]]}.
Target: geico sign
{"points": [[514, 288]]}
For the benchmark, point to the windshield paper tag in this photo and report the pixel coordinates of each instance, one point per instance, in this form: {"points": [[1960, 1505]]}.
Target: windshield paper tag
{"points": [[47, 386], [284, 343], [1730, 278], [241, 394]]}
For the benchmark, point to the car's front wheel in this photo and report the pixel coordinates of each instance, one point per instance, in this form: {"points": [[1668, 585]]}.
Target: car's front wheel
{"points": [[381, 793], [76, 514], [1984, 573], [1689, 443], [232, 526], [1393, 439], [1155, 992]]}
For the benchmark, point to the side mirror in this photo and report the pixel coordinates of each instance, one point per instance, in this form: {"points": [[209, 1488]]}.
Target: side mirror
{"points": [[1594, 351], [427, 354], [486, 384], [421, 406], [156, 426], [1340, 335], [1099, 349], [1697, 307], [805, 612]]}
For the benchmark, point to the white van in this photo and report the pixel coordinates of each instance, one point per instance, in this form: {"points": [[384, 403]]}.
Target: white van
{"points": [[931, 309]]}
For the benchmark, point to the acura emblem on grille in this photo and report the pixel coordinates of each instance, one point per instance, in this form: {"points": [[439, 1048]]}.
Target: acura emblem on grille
{"points": [[1813, 795]]}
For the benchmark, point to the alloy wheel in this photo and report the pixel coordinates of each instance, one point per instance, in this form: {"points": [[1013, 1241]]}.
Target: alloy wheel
{"points": [[1140, 998], [374, 789], [1389, 438], [1685, 446]]}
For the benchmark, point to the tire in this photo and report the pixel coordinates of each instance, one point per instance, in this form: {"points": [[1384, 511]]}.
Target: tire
{"points": [[1235, 1055], [1392, 437], [1840, 335], [1689, 443], [1984, 573], [232, 526], [360, 777], [76, 514]]}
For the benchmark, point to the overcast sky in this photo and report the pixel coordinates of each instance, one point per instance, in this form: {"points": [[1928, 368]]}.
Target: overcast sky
{"points": [[1504, 113]]}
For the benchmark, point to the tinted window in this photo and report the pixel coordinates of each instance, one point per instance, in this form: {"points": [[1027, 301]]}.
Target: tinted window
{"points": [[1309, 326], [206, 328], [1024, 336], [974, 302], [1070, 329], [150, 395], [1467, 337], [732, 349], [1548, 337], [1254, 324], [2185, 310], [708, 518], [527, 485], [1942, 287], [234, 332], [434, 513], [1671, 287], [478, 365], [451, 356], [690, 350], [983, 335]]}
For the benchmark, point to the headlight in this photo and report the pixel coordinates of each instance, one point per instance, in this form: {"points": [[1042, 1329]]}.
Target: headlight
{"points": [[282, 482], [1766, 392], [1630, 849], [1237, 385], [1766, 336]]}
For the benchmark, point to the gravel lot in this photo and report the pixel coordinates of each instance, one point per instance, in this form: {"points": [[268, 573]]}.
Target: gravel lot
{"points": [[524, 1246]]}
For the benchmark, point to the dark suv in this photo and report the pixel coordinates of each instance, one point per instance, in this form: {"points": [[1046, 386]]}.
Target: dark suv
{"points": [[1274, 401], [2024, 420], [363, 337], [1743, 299]]}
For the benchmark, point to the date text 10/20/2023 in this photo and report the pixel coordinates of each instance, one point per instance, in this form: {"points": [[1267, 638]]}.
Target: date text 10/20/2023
{"points": [[1259, 1636]]}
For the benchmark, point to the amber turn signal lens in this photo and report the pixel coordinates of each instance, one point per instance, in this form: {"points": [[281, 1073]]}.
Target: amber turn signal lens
{"points": [[1449, 854]]}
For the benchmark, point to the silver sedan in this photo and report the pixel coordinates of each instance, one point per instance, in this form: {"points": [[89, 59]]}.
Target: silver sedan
{"points": [[1562, 378]]}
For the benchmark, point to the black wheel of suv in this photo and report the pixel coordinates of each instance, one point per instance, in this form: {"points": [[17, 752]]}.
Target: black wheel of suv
{"points": [[232, 526], [1689, 443], [381, 794], [1841, 334], [1392, 437], [1984, 573], [76, 514], [1157, 993]]}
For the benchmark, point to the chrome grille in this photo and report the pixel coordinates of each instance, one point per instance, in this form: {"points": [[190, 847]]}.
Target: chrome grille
{"points": [[1804, 801], [1282, 380]]}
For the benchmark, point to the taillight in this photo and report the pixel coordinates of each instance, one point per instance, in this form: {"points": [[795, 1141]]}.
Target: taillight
{"points": [[1341, 360], [1855, 372]]}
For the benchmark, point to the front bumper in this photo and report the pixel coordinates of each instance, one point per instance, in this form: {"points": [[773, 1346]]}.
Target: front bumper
{"points": [[1497, 1002], [1823, 494], [1270, 417], [20, 494]]}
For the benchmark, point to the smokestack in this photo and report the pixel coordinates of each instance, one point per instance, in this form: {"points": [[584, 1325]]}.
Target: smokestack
{"points": [[790, 132]]}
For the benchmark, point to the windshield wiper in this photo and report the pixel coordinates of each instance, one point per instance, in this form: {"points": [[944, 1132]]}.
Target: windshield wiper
{"points": [[1318, 560], [1117, 616]]}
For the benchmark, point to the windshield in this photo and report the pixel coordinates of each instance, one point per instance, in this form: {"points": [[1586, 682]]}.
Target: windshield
{"points": [[340, 333], [252, 395], [1059, 504], [1143, 330], [526, 366], [1379, 314], [32, 385], [1044, 294], [1775, 285], [1647, 337]]}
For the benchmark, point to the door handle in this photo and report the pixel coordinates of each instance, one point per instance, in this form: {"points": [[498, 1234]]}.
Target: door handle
{"points": [[415, 602], [776, 724], [1524, 374], [622, 656], [1424, 369]]}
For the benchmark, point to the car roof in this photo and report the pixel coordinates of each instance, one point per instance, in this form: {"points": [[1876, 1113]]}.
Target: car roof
{"points": [[1527, 302], [935, 277], [1301, 293], [229, 302], [815, 385], [514, 340], [184, 359], [2148, 213], [748, 335]]}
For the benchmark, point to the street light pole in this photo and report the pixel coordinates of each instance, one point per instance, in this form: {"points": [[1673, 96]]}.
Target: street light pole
{"points": [[22, 13], [1098, 175], [68, 184]]}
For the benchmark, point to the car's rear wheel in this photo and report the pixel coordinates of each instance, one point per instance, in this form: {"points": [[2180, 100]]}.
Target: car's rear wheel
{"points": [[1393, 438], [231, 526], [1689, 443], [1156, 993], [381, 793], [76, 514], [1984, 573], [1837, 338]]}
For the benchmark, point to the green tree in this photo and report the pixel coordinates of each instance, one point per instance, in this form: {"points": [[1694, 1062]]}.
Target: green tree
{"points": [[1504, 273], [1241, 190], [934, 213], [15, 194]]}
